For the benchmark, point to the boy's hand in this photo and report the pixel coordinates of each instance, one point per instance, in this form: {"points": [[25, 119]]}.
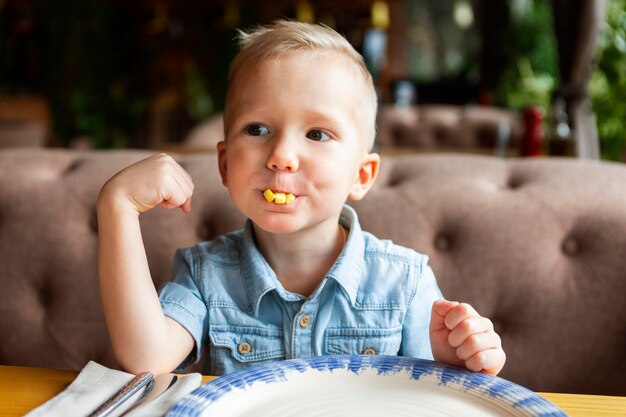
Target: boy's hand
{"points": [[157, 180], [460, 336]]}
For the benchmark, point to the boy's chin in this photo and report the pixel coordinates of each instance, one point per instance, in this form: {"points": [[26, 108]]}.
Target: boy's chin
{"points": [[275, 226]]}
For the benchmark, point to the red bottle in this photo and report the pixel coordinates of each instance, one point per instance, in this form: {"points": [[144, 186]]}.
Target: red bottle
{"points": [[533, 132]]}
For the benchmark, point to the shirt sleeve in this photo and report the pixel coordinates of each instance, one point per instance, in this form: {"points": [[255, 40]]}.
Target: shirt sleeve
{"points": [[182, 301], [415, 329]]}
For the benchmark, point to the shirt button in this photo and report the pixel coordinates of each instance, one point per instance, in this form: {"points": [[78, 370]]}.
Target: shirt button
{"points": [[305, 321], [244, 347], [369, 351]]}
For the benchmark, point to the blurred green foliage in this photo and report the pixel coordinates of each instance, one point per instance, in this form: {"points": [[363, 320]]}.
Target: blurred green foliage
{"points": [[76, 56], [198, 101], [531, 52], [94, 63], [608, 83], [98, 71], [532, 73]]}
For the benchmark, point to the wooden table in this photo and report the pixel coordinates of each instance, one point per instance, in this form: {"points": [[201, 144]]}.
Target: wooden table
{"points": [[22, 389]]}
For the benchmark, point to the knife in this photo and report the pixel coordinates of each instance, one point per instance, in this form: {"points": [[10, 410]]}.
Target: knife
{"points": [[160, 384], [140, 381]]}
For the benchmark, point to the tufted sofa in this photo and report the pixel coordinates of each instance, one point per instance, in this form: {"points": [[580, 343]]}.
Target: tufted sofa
{"points": [[479, 129], [538, 245]]}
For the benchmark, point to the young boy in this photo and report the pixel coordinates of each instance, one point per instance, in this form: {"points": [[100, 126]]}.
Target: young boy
{"points": [[302, 278]]}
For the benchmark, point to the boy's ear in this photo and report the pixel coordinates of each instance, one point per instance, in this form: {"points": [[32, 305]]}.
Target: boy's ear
{"points": [[221, 160], [365, 177]]}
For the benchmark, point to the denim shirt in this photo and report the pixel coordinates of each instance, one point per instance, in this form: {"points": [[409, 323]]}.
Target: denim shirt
{"points": [[375, 299]]}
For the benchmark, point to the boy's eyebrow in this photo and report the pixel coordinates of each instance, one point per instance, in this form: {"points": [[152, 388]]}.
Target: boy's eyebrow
{"points": [[268, 112], [324, 115]]}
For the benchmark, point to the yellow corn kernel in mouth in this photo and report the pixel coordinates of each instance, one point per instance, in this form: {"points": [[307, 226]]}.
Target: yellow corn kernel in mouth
{"points": [[269, 195], [278, 198]]}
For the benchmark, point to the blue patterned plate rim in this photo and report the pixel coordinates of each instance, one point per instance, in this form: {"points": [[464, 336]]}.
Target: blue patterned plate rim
{"points": [[493, 387]]}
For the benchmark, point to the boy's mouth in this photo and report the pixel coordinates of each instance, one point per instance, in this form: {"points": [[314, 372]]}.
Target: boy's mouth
{"points": [[278, 197]]}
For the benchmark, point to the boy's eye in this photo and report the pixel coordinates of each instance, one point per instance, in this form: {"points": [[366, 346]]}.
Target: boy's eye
{"points": [[257, 130], [317, 135]]}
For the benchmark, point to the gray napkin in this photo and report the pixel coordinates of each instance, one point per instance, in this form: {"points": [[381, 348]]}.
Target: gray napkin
{"points": [[96, 383]]}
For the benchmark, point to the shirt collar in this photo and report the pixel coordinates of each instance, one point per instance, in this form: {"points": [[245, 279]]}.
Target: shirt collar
{"points": [[347, 269], [259, 278]]}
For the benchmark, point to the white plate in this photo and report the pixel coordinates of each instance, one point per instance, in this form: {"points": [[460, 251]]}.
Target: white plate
{"points": [[361, 386]]}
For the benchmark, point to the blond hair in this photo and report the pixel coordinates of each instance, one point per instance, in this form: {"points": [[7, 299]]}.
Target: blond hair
{"points": [[284, 37]]}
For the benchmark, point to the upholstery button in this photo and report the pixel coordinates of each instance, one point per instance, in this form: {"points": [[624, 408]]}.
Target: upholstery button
{"points": [[442, 242], [570, 246], [244, 348], [305, 321], [514, 182], [369, 351], [203, 232]]}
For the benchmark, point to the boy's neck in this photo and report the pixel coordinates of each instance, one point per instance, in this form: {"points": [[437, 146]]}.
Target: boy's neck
{"points": [[301, 261]]}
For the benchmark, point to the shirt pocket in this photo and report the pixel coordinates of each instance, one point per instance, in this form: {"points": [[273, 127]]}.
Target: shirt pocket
{"points": [[237, 347], [354, 340]]}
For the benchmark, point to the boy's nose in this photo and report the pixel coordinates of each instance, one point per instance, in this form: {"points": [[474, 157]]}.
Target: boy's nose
{"points": [[283, 156]]}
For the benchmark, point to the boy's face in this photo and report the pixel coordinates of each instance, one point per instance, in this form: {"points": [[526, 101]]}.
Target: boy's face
{"points": [[294, 125]]}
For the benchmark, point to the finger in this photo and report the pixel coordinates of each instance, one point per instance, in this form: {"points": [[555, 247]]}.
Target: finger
{"points": [[491, 361], [186, 205], [184, 185], [459, 313], [439, 311], [468, 327], [173, 195], [174, 168], [478, 343], [184, 175]]}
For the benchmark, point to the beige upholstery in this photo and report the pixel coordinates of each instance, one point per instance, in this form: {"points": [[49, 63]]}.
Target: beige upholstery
{"points": [[21, 133], [443, 127], [206, 134], [538, 245]]}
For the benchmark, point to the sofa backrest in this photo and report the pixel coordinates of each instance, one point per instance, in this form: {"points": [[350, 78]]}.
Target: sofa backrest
{"points": [[477, 129], [537, 245]]}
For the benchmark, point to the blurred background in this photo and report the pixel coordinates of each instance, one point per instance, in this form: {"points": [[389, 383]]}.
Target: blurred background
{"points": [[527, 77]]}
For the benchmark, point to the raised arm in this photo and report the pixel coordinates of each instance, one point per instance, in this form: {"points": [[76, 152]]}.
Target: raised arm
{"points": [[143, 338]]}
